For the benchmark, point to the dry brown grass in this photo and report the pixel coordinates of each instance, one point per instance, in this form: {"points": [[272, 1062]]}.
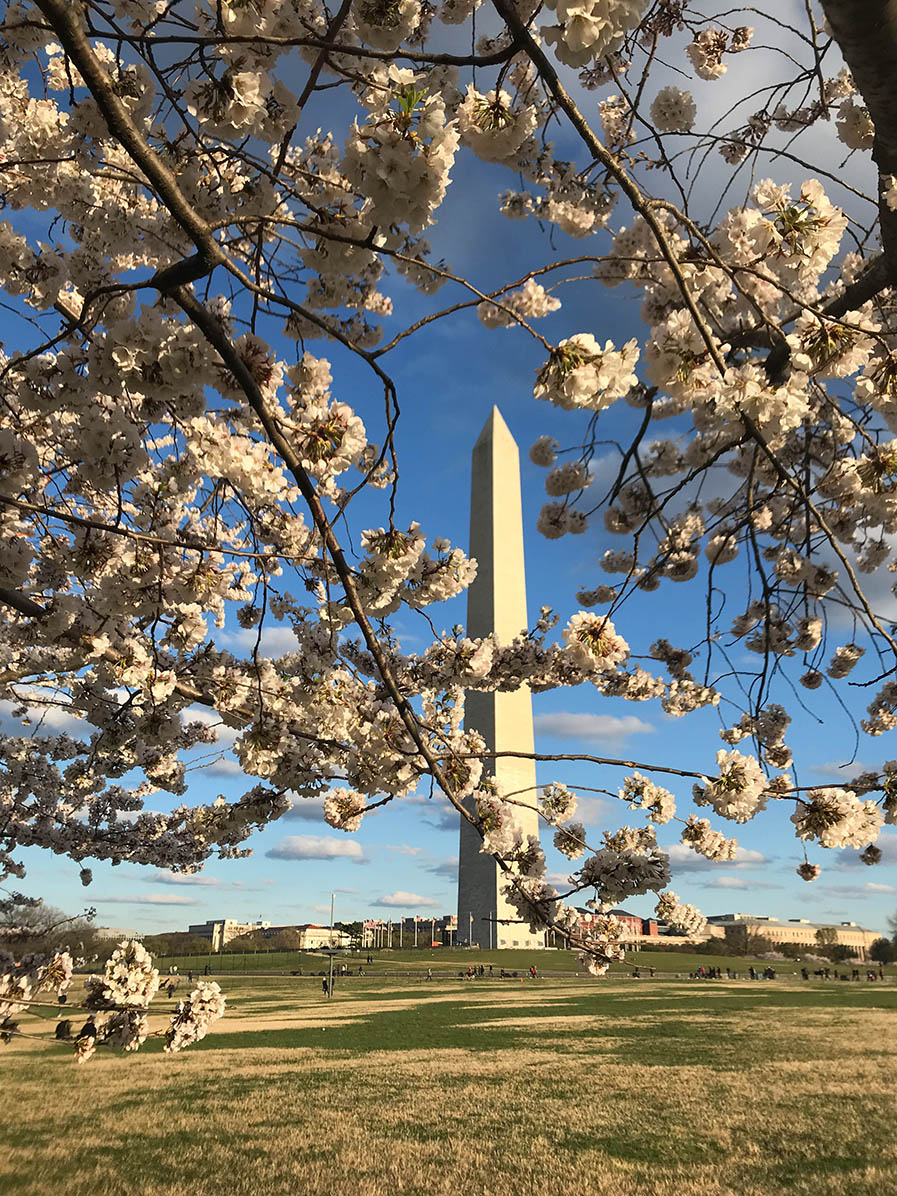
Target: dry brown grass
{"points": [[554, 1114]]}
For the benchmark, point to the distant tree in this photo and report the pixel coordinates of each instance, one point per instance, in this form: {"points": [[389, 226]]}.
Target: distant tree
{"points": [[288, 939], [353, 928], [883, 951], [745, 939], [177, 943], [826, 936], [254, 940], [792, 950], [28, 925]]}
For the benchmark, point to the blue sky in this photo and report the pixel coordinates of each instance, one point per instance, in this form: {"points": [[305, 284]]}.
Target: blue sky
{"points": [[403, 859]]}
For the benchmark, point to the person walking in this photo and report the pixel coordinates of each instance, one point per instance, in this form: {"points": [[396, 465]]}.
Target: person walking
{"points": [[429, 973], [324, 988]]}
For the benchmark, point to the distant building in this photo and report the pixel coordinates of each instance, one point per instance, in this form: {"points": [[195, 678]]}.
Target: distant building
{"points": [[115, 932], [312, 937], [219, 933], [635, 926], [799, 931], [414, 931]]}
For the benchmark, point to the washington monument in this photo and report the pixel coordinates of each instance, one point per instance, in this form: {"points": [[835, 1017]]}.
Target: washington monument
{"points": [[496, 602]]}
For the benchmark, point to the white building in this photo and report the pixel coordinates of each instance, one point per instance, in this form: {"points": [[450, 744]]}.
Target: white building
{"points": [[219, 933], [799, 931]]}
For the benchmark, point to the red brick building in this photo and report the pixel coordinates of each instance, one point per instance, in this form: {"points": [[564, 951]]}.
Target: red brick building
{"points": [[635, 925]]}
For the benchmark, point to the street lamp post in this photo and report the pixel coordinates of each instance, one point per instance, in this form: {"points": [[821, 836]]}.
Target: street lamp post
{"points": [[330, 984]]}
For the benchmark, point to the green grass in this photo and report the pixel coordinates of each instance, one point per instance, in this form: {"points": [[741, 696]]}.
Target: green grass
{"points": [[448, 962], [562, 1087]]}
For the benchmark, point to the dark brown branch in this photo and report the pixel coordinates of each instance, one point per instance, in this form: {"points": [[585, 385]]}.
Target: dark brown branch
{"points": [[22, 604], [866, 32]]}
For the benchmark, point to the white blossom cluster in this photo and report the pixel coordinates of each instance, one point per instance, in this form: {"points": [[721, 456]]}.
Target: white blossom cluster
{"points": [[655, 802], [530, 302], [837, 818], [128, 980], [194, 1016], [492, 128], [556, 803], [580, 374], [681, 917], [629, 865], [738, 792], [344, 809], [673, 110], [590, 29], [22, 980], [702, 838], [593, 642]]}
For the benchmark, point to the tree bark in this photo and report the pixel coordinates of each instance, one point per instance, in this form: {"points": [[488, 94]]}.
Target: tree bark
{"points": [[866, 31]]}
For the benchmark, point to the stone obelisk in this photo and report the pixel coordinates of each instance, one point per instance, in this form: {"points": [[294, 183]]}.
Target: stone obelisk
{"points": [[496, 602]]}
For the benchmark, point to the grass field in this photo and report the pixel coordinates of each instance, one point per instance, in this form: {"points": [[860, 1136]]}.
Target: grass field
{"points": [[447, 963], [566, 1087]]}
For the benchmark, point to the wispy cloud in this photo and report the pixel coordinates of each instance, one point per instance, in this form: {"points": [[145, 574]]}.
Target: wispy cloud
{"points": [[447, 868], [145, 899], [839, 771], [403, 849], [53, 720], [227, 766], [306, 809], [402, 900], [870, 889], [182, 878], [316, 847], [597, 728], [277, 640], [741, 883], [683, 859], [848, 859]]}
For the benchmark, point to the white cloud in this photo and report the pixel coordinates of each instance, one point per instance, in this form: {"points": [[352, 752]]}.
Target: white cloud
{"points": [[846, 858], [182, 878], [277, 640], [147, 899], [841, 772], [316, 847], [306, 809], [736, 882], [227, 766], [403, 849], [870, 889], [403, 900], [602, 728], [591, 809], [683, 859], [52, 720]]}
